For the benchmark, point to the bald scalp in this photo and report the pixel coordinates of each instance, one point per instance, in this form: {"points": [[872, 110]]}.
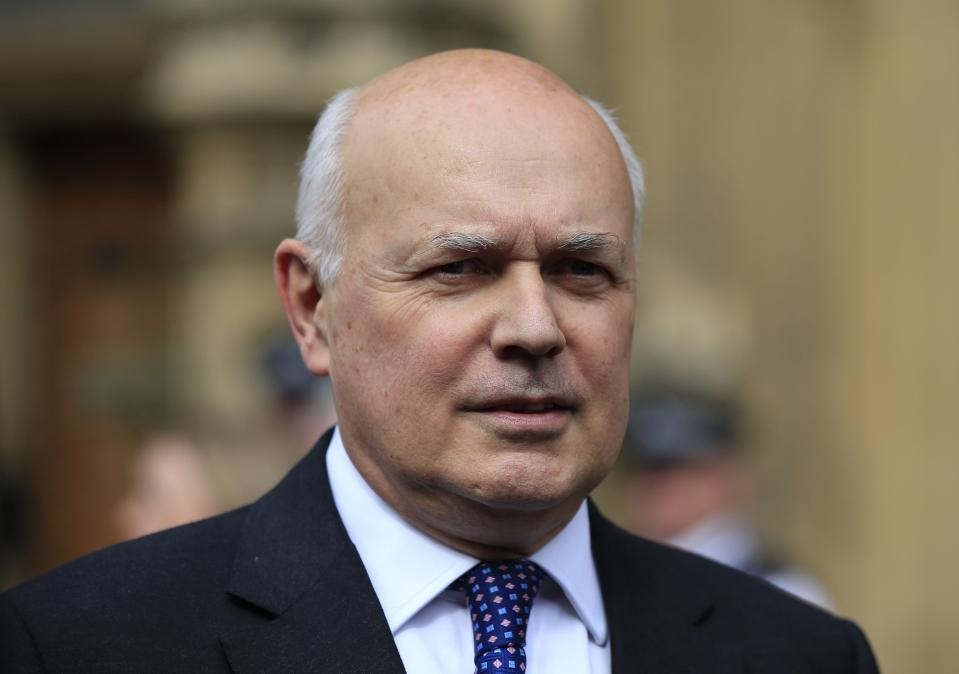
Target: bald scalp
{"points": [[452, 71], [464, 86], [432, 117]]}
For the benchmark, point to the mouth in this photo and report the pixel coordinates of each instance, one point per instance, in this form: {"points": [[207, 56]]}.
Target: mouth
{"points": [[522, 404], [527, 418]]}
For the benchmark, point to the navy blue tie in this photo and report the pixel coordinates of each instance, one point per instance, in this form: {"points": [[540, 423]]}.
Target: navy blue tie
{"points": [[500, 597]]}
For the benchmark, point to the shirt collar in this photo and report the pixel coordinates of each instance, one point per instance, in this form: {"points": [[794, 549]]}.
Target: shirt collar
{"points": [[568, 559], [384, 541]]}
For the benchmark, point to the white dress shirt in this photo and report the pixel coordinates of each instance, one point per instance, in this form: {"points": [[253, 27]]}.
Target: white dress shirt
{"points": [[411, 571]]}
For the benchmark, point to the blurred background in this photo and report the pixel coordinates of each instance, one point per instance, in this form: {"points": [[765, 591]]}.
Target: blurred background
{"points": [[799, 244]]}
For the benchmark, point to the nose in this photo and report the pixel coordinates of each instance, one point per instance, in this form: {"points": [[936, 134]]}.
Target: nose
{"points": [[526, 324]]}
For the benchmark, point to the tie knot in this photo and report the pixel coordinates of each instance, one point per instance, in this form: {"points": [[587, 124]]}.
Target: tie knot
{"points": [[500, 597]]}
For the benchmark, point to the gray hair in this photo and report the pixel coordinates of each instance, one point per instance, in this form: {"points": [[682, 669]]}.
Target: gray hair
{"points": [[319, 208], [633, 166]]}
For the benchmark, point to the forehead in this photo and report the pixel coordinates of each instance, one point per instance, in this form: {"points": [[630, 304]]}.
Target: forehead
{"points": [[494, 157]]}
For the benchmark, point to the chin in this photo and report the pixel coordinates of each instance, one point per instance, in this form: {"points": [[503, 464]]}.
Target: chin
{"points": [[522, 501], [526, 492]]}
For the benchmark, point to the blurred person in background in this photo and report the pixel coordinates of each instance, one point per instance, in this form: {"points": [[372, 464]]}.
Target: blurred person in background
{"points": [[464, 271], [168, 486], [302, 406], [691, 484], [180, 476]]}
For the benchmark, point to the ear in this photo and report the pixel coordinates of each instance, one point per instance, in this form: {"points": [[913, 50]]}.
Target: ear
{"points": [[303, 302]]}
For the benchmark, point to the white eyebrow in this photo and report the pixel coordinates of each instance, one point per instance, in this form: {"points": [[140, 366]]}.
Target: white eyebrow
{"points": [[475, 243], [586, 241], [459, 241]]}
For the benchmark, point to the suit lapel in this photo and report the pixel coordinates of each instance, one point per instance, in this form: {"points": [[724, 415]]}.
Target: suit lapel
{"points": [[297, 567], [654, 616]]}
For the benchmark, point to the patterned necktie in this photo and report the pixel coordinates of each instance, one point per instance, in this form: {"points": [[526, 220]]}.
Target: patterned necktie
{"points": [[500, 596]]}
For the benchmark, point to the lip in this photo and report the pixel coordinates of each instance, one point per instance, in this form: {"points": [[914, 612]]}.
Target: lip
{"points": [[525, 417], [520, 402]]}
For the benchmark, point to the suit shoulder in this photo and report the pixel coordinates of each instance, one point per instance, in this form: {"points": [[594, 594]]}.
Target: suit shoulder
{"points": [[192, 551], [748, 598], [727, 607], [691, 575], [177, 576]]}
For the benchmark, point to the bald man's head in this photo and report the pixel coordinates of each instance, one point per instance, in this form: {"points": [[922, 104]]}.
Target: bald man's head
{"points": [[478, 331], [368, 137]]}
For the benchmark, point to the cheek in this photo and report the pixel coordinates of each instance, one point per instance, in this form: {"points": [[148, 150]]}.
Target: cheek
{"points": [[406, 352], [602, 338], [603, 344]]}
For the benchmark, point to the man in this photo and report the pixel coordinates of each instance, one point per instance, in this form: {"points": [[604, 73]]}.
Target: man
{"points": [[464, 273]]}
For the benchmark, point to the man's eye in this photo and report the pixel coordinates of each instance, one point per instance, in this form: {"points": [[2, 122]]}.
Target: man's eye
{"points": [[581, 275], [460, 267], [582, 269]]}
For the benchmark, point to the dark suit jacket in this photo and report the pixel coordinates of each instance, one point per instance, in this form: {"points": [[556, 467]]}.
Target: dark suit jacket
{"points": [[277, 586]]}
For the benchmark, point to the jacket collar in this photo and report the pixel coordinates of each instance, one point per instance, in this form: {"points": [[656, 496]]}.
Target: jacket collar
{"points": [[655, 614], [296, 565]]}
